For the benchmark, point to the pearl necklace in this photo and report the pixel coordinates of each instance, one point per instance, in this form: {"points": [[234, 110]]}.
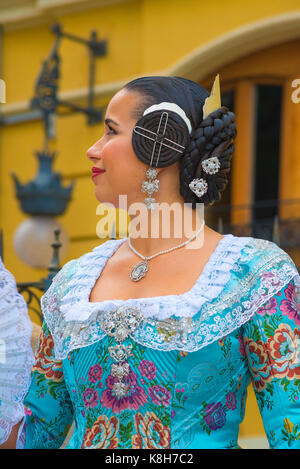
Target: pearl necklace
{"points": [[139, 270]]}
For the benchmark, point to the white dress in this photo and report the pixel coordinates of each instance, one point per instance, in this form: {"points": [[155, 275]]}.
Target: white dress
{"points": [[16, 356]]}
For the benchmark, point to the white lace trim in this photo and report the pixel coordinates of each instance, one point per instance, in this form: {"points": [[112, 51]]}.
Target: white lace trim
{"points": [[241, 275], [297, 288], [16, 355], [75, 305], [21, 438]]}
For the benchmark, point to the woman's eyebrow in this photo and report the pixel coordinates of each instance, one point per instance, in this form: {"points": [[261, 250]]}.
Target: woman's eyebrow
{"points": [[110, 121]]}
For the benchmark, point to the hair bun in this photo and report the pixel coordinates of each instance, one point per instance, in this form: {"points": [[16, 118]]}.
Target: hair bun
{"points": [[163, 132], [213, 138]]}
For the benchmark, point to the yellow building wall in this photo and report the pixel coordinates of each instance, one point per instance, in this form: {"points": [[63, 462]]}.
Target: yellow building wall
{"points": [[143, 38], [174, 28]]}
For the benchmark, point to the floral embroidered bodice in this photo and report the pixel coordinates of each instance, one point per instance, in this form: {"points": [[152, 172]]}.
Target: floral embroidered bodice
{"points": [[169, 371]]}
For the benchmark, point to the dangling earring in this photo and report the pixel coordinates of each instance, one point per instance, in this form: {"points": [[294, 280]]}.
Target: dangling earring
{"points": [[160, 141], [150, 186]]}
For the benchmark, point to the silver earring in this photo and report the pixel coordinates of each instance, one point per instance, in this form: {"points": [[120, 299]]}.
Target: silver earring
{"points": [[150, 186], [198, 186], [211, 165]]}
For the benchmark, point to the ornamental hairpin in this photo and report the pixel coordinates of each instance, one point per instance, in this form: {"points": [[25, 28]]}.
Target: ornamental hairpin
{"points": [[165, 136], [210, 165], [198, 186]]}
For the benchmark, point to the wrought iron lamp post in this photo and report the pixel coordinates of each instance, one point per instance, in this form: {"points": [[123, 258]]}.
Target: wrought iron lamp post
{"points": [[44, 198]]}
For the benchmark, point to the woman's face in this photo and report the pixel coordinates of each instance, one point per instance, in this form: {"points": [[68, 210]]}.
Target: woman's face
{"points": [[123, 171]]}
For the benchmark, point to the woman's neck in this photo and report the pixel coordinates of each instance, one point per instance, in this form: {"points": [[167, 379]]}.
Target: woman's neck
{"points": [[167, 226]]}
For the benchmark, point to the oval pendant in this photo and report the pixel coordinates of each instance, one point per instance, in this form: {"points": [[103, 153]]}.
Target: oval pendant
{"points": [[139, 271]]}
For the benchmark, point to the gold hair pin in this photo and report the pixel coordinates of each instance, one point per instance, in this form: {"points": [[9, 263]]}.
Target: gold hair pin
{"points": [[213, 101]]}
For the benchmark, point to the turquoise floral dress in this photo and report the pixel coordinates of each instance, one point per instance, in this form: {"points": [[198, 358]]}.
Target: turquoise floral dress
{"points": [[170, 371]]}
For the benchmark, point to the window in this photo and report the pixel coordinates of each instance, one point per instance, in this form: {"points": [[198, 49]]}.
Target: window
{"points": [[268, 99]]}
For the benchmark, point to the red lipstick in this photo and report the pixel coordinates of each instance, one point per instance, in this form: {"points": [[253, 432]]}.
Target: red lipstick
{"points": [[96, 171]]}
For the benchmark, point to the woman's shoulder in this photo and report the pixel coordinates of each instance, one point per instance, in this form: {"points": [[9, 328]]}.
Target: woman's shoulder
{"points": [[263, 266], [262, 250], [78, 272], [104, 250]]}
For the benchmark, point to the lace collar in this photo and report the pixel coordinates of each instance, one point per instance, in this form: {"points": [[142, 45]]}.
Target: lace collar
{"points": [[75, 305], [241, 275]]}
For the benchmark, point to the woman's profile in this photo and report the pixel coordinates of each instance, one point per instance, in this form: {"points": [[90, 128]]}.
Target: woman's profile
{"points": [[150, 342]]}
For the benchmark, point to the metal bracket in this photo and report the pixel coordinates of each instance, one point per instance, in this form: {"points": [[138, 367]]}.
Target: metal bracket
{"points": [[46, 88]]}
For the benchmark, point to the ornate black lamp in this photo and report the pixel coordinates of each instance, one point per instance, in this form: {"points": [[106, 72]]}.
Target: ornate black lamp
{"points": [[44, 197]]}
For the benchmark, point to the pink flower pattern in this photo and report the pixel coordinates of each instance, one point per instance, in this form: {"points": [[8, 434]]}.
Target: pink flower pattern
{"points": [[147, 369], [268, 308], [289, 306], [134, 398], [95, 373], [90, 398], [160, 395]]}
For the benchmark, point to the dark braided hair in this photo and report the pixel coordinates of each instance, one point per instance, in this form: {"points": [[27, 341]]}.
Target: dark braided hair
{"points": [[212, 136]]}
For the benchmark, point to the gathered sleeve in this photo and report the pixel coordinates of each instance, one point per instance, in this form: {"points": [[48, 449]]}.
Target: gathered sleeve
{"points": [[16, 355], [272, 345], [48, 407]]}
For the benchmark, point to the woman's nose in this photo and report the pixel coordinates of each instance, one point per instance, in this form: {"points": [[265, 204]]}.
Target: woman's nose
{"points": [[94, 152]]}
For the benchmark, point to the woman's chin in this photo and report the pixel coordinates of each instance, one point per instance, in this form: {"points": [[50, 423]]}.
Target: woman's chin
{"points": [[102, 198]]}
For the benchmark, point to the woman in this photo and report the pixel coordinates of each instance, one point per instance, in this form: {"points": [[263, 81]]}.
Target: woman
{"points": [[16, 357], [158, 353]]}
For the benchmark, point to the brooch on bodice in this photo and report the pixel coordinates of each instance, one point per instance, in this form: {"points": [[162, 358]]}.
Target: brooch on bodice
{"points": [[119, 324], [122, 322], [170, 328]]}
